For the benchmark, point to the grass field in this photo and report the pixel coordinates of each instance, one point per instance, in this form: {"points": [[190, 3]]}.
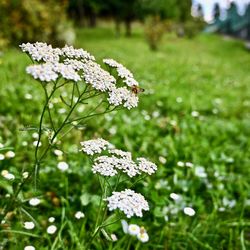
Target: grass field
{"points": [[195, 109]]}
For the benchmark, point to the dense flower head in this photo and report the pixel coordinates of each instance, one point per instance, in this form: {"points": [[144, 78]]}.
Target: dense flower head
{"points": [[123, 96], [122, 72], [71, 52], [104, 165], [108, 166], [97, 77], [129, 202], [43, 72], [78, 65], [120, 153], [95, 146], [41, 52], [111, 160], [66, 71], [146, 166]]}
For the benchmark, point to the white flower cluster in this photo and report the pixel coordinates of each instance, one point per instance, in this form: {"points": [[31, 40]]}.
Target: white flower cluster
{"points": [[71, 52], [76, 65], [119, 96], [122, 72], [108, 165], [99, 78], [105, 166], [67, 71], [47, 72], [42, 72], [146, 166], [129, 202], [41, 52], [95, 146]]}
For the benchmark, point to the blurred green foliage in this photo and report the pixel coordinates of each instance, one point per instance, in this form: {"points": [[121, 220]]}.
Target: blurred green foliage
{"points": [[35, 20], [195, 108]]}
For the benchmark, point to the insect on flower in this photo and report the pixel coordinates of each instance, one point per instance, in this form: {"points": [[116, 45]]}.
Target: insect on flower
{"points": [[136, 89]]}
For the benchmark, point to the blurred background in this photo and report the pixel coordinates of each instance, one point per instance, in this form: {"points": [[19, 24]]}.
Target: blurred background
{"points": [[54, 21], [192, 59]]}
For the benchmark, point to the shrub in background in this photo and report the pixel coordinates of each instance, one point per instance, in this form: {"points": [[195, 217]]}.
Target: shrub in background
{"points": [[154, 31], [193, 27], [32, 20]]}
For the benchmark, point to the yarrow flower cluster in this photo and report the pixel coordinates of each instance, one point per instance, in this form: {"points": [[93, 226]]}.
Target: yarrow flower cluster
{"points": [[77, 65], [109, 161], [129, 202], [122, 72], [115, 160], [95, 146]]}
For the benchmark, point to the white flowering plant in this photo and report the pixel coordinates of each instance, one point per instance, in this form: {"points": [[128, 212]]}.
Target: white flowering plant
{"points": [[73, 78]]}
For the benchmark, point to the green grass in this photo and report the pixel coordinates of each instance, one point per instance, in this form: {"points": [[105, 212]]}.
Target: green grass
{"points": [[211, 76]]}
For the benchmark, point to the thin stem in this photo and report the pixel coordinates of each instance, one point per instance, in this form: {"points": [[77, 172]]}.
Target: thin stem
{"points": [[88, 116], [117, 181], [100, 206], [72, 96]]}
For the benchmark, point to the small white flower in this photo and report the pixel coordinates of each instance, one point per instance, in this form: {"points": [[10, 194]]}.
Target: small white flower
{"points": [[113, 237], [25, 175], [51, 229], [29, 225], [133, 229], [10, 154], [143, 235], [29, 248], [129, 202], [62, 110], [28, 96], [178, 99], [2, 157], [124, 226], [4, 172], [24, 143], [34, 201], [189, 211], [1, 145], [37, 144], [7, 175], [175, 196], [63, 166], [79, 215], [200, 172], [222, 209], [189, 164], [180, 164], [195, 113], [58, 152], [35, 135], [162, 160], [51, 219]]}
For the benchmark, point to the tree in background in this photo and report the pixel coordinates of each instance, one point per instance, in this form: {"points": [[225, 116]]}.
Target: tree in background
{"points": [[216, 11], [34, 20], [165, 9], [184, 9], [85, 10], [199, 12]]}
